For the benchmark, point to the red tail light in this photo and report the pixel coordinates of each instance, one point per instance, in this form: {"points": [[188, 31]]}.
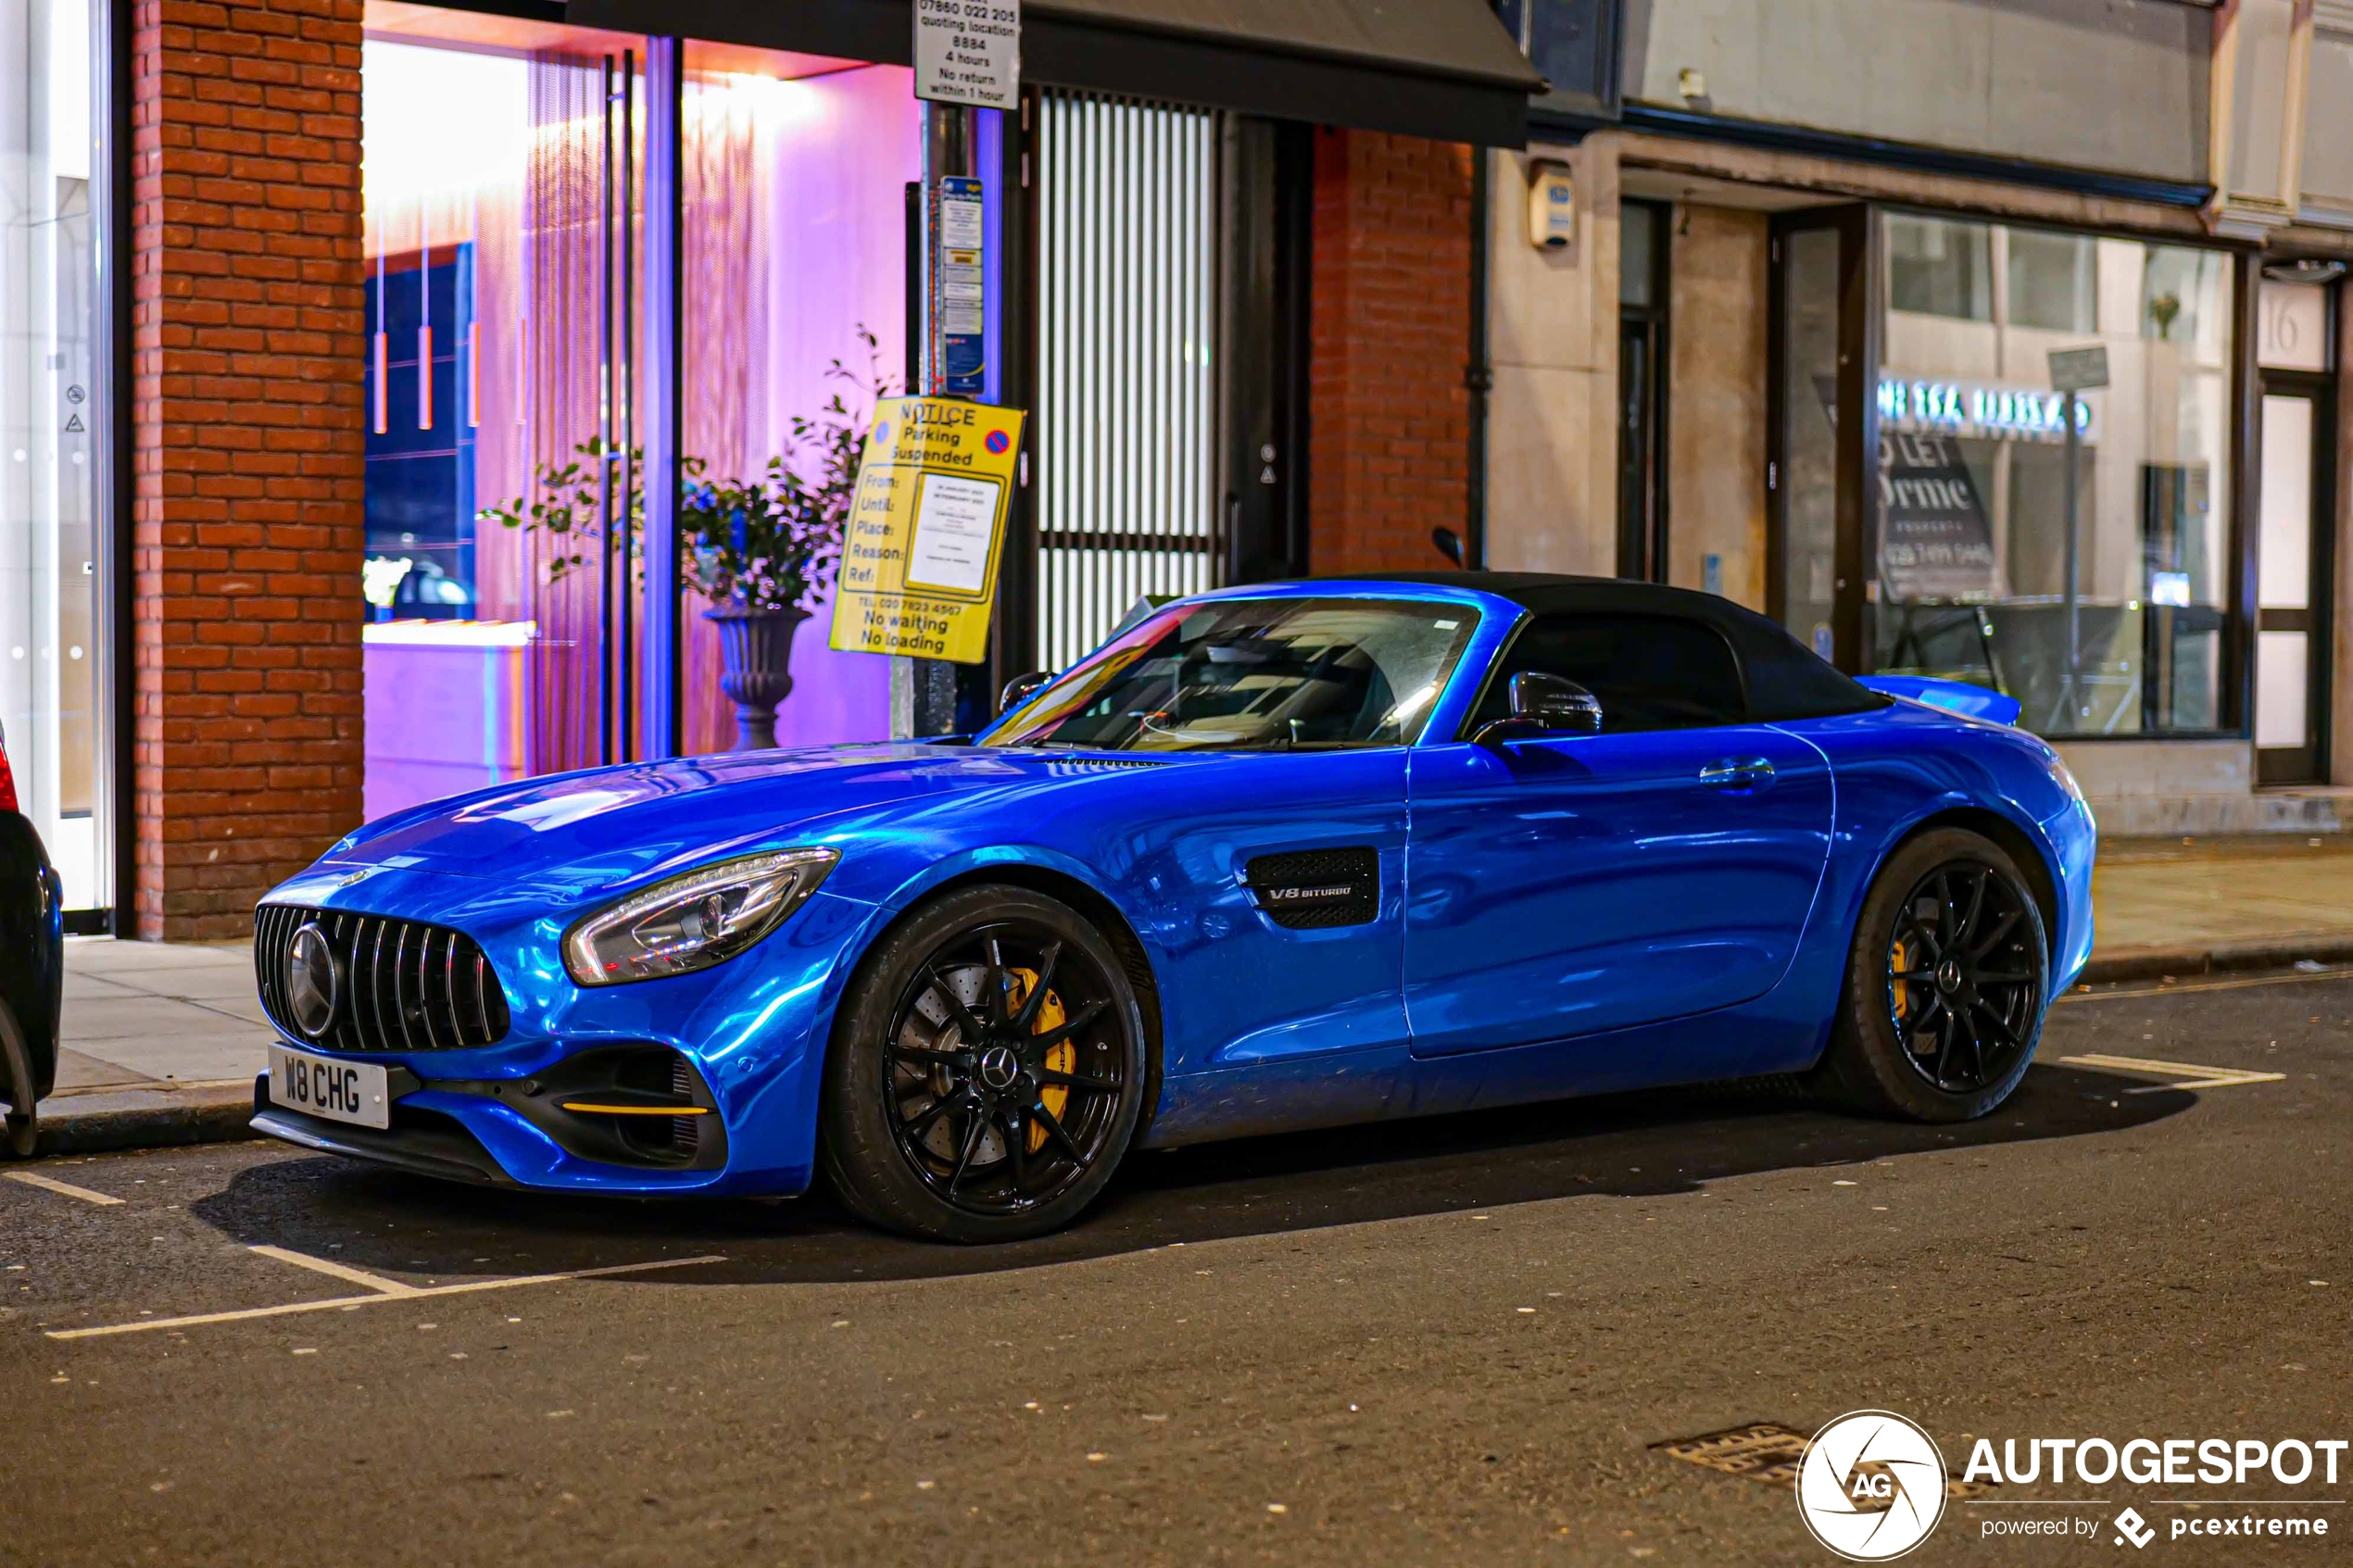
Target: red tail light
{"points": [[7, 779]]}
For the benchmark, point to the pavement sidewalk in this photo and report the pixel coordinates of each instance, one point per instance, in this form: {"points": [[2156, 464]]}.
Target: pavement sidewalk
{"points": [[163, 1042]]}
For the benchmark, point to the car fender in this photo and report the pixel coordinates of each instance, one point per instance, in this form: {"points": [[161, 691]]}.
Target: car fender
{"points": [[1887, 792], [912, 890]]}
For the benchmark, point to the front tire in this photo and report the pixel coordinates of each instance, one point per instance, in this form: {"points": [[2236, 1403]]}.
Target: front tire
{"points": [[986, 1070], [1947, 981]]}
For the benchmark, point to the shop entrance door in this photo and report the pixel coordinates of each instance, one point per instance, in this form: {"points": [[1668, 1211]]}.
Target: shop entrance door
{"points": [[1813, 467], [1170, 250], [1641, 389], [2292, 582]]}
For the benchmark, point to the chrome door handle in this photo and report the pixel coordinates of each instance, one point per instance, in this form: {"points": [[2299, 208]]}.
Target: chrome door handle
{"points": [[1738, 772]]}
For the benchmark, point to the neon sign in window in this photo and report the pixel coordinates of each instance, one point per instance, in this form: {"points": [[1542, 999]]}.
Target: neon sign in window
{"points": [[1979, 410]]}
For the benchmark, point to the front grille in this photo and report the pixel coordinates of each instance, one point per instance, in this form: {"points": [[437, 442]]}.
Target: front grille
{"points": [[403, 986]]}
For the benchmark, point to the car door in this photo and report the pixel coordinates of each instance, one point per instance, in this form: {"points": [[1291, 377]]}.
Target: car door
{"points": [[1573, 883]]}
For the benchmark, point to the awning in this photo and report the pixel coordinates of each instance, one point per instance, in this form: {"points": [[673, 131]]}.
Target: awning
{"points": [[1441, 68]]}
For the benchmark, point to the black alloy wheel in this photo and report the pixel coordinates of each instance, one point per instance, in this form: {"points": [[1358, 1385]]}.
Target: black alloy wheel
{"points": [[1964, 990], [986, 1073], [1947, 981]]}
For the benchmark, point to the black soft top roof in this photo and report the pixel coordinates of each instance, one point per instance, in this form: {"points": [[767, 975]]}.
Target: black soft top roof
{"points": [[1785, 678]]}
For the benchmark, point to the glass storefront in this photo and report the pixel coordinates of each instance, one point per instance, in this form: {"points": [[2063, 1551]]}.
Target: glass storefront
{"points": [[508, 194], [52, 444], [2084, 571]]}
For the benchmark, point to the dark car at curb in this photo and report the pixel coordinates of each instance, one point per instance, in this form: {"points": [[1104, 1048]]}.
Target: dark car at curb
{"points": [[32, 965]]}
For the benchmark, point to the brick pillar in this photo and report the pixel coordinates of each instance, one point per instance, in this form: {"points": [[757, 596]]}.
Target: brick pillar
{"points": [[1390, 416], [248, 448]]}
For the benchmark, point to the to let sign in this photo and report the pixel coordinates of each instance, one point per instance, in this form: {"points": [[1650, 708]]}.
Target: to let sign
{"points": [[919, 558], [968, 51]]}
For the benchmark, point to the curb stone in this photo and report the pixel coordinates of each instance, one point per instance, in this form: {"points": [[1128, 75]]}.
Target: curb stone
{"points": [[2157, 960]]}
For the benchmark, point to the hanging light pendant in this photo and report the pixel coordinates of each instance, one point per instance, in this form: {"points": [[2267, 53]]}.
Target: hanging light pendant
{"points": [[383, 357], [424, 321], [474, 310]]}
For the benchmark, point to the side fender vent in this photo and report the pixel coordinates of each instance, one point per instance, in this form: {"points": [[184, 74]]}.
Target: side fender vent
{"points": [[1314, 889]]}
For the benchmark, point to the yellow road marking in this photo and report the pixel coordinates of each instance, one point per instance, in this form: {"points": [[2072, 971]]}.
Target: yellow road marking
{"points": [[2188, 1075], [350, 1301], [51, 1184]]}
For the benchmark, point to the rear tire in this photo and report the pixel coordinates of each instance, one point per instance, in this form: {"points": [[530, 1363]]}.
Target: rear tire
{"points": [[21, 1133], [1947, 981], [986, 1070]]}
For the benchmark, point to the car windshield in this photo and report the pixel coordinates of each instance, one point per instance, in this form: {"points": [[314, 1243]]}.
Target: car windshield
{"points": [[1255, 675]]}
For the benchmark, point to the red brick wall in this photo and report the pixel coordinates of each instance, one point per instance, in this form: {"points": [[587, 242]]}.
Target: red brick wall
{"points": [[248, 446], [1388, 414]]}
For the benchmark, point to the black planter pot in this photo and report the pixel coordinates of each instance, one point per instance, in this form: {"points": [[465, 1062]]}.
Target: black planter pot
{"points": [[755, 647]]}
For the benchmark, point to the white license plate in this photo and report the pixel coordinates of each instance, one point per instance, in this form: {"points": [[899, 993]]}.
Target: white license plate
{"points": [[338, 1091]]}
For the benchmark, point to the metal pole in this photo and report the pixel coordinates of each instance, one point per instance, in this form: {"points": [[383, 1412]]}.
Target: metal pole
{"points": [[661, 716], [604, 425], [625, 396], [2072, 684], [929, 684]]}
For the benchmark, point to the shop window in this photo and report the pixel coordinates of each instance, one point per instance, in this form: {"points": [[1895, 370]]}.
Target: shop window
{"points": [[509, 197], [52, 403], [420, 497], [2052, 281], [2185, 296], [1940, 266], [2101, 603]]}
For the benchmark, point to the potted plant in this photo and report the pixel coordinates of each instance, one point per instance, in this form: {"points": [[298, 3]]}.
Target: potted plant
{"points": [[763, 550]]}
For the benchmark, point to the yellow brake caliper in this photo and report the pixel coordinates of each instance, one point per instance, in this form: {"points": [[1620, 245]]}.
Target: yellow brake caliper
{"points": [[1062, 1058], [1902, 960]]}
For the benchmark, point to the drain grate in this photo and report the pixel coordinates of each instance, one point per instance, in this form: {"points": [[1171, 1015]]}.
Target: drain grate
{"points": [[1763, 1450], [1768, 1452]]}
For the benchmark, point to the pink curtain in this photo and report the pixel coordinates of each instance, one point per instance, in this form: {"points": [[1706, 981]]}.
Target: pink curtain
{"points": [[795, 237], [794, 234]]}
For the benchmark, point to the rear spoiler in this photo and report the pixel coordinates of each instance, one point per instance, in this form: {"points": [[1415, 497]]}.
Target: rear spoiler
{"points": [[1954, 697]]}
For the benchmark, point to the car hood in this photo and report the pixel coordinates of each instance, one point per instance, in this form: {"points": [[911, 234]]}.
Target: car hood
{"points": [[581, 831]]}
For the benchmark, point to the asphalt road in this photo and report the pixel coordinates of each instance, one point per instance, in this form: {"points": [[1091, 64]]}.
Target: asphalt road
{"points": [[1457, 1341]]}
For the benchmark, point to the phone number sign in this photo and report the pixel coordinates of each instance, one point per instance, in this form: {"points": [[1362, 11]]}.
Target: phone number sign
{"points": [[968, 51]]}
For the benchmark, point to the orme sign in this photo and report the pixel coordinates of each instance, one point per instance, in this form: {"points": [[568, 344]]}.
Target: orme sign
{"points": [[1979, 410]]}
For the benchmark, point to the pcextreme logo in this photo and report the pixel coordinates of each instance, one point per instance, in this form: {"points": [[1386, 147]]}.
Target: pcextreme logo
{"points": [[1870, 1486]]}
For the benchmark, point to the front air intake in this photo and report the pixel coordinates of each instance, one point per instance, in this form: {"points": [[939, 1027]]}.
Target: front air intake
{"points": [[400, 986]]}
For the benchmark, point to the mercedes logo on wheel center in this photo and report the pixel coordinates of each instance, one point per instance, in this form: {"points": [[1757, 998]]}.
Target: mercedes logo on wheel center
{"points": [[312, 980], [1870, 1486]]}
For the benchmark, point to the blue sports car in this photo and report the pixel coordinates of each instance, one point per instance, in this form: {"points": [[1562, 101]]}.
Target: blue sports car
{"points": [[1277, 857]]}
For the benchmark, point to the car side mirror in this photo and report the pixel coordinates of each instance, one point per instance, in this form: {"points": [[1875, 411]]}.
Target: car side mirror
{"points": [[1021, 688], [1543, 705]]}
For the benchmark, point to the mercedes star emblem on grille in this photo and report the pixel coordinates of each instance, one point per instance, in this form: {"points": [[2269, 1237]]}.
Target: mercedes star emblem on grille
{"points": [[312, 980]]}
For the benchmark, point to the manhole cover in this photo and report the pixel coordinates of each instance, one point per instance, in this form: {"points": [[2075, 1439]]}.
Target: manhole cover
{"points": [[1768, 1452]]}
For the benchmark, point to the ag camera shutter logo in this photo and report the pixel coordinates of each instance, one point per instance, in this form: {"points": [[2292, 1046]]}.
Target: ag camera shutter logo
{"points": [[1870, 1486]]}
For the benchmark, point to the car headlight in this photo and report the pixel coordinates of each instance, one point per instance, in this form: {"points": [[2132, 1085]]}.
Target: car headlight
{"points": [[694, 920]]}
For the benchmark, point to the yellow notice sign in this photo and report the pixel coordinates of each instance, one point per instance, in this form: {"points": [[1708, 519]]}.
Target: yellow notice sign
{"points": [[919, 563]]}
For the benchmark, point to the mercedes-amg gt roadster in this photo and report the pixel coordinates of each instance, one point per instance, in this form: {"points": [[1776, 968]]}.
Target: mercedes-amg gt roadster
{"points": [[1277, 857]]}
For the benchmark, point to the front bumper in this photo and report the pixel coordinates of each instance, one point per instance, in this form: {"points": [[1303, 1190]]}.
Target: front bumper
{"points": [[618, 1119], [751, 1029], [422, 1144]]}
